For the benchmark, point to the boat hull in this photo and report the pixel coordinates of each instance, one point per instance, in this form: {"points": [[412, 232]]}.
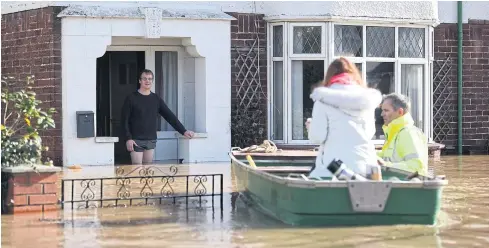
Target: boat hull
{"points": [[296, 201]]}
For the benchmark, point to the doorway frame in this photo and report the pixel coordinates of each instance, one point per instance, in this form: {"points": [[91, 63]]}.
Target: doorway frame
{"points": [[150, 63]]}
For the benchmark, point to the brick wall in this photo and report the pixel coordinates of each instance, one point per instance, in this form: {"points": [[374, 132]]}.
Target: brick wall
{"points": [[248, 79], [32, 192], [475, 76], [31, 45]]}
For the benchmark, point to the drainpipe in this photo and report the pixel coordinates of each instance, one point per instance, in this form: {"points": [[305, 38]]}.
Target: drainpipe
{"points": [[459, 74]]}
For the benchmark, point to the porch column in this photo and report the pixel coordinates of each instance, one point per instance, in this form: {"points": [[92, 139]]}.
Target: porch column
{"points": [[80, 51]]}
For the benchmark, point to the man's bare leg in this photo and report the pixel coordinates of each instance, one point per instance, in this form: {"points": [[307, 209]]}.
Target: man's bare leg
{"points": [[148, 156], [137, 157]]}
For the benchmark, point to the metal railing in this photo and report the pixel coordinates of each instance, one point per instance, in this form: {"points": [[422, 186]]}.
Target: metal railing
{"points": [[145, 188]]}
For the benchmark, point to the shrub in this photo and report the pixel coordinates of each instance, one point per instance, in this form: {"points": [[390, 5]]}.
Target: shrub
{"points": [[22, 119]]}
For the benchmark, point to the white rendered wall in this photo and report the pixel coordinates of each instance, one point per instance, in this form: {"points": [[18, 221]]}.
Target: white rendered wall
{"points": [[447, 11], [85, 39], [421, 10]]}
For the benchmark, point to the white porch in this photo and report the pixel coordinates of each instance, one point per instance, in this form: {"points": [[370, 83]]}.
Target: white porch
{"points": [[202, 44]]}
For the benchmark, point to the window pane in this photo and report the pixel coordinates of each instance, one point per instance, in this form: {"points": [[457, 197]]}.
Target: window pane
{"points": [[380, 75], [305, 74], [307, 39], [411, 42], [166, 83], [348, 41], [412, 81], [278, 41], [359, 67], [278, 101], [380, 42]]}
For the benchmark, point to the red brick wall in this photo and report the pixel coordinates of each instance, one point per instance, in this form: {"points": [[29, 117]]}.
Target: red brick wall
{"points": [[244, 32], [32, 192], [475, 76], [31, 45]]}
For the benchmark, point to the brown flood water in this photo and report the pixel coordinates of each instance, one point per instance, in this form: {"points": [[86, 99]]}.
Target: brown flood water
{"points": [[463, 222]]}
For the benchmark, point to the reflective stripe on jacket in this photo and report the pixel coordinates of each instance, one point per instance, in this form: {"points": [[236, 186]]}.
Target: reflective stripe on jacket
{"points": [[406, 146]]}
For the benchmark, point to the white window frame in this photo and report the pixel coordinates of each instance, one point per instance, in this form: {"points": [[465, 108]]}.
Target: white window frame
{"points": [[426, 61], [327, 54], [290, 37], [270, 60], [300, 57]]}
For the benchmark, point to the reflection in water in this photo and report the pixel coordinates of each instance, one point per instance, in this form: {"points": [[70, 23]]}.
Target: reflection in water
{"points": [[463, 222]]}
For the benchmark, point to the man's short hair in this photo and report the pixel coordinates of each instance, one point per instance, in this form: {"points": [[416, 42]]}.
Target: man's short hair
{"points": [[146, 71], [398, 101]]}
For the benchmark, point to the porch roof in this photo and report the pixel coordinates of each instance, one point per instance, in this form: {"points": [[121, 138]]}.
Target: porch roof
{"points": [[138, 12]]}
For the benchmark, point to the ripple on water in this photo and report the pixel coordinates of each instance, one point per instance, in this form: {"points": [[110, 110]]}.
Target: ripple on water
{"points": [[463, 221]]}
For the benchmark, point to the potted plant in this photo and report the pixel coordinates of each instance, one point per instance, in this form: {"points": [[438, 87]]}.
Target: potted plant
{"points": [[22, 165]]}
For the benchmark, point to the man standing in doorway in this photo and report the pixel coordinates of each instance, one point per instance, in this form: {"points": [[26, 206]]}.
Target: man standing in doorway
{"points": [[139, 119], [405, 145]]}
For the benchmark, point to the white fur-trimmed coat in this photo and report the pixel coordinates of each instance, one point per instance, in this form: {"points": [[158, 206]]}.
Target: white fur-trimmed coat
{"points": [[343, 122]]}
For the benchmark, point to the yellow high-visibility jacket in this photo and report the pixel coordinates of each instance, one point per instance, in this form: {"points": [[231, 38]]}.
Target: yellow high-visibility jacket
{"points": [[406, 146]]}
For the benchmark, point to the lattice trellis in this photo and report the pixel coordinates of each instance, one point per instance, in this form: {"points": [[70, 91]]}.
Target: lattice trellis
{"points": [[250, 90], [441, 99]]}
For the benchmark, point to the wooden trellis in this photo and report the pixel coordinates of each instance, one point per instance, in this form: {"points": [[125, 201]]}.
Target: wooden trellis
{"points": [[442, 95], [250, 90]]}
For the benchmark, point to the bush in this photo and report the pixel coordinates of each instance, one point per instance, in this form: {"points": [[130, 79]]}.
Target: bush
{"points": [[246, 129], [22, 119]]}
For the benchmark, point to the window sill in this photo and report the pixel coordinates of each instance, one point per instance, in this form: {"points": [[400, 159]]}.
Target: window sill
{"points": [[106, 139], [196, 136], [175, 135]]}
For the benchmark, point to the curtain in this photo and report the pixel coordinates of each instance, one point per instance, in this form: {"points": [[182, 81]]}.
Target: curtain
{"points": [[167, 83], [297, 101], [412, 87], [278, 103]]}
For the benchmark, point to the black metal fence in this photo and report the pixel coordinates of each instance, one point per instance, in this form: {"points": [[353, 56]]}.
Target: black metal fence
{"points": [[144, 188]]}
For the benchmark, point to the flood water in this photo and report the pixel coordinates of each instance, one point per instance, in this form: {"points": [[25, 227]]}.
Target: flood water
{"points": [[463, 221]]}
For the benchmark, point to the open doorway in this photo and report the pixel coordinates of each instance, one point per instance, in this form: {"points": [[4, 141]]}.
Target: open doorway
{"points": [[117, 77]]}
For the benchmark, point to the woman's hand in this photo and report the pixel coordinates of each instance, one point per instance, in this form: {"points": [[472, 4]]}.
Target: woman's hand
{"points": [[308, 123]]}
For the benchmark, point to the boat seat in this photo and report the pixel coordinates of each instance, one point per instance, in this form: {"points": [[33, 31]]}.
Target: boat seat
{"points": [[297, 169]]}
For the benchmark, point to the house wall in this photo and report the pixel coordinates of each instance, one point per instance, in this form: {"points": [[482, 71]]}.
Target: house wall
{"points": [[248, 46], [475, 75], [31, 45], [85, 39], [415, 10]]}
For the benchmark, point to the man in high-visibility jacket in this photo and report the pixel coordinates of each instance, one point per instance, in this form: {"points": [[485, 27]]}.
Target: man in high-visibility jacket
{"points": [[405, 145]]}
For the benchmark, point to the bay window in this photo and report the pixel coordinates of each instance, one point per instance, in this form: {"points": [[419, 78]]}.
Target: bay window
{"points": [[390, 58]]}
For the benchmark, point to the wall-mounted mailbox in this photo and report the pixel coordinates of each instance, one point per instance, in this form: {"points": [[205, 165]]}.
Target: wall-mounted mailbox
{"points": [[85, 124]]}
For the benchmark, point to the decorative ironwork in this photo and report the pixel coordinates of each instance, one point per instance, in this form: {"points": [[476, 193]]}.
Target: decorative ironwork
{"points": [[123, 192], [149, 190], [442, 96], [146, 191], [411, 42], [147, 170], [348, 40], [87, 193], [167, 189], [200, 188], [380, 42]]}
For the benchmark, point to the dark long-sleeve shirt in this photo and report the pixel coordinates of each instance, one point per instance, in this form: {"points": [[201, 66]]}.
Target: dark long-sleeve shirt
{"points": [[140, 113]]}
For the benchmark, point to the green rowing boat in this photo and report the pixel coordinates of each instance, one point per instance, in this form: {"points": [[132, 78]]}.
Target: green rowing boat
{"points": [[279, 187]]}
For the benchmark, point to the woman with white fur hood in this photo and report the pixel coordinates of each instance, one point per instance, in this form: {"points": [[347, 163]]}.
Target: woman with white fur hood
{"points": [[343, 119]]}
